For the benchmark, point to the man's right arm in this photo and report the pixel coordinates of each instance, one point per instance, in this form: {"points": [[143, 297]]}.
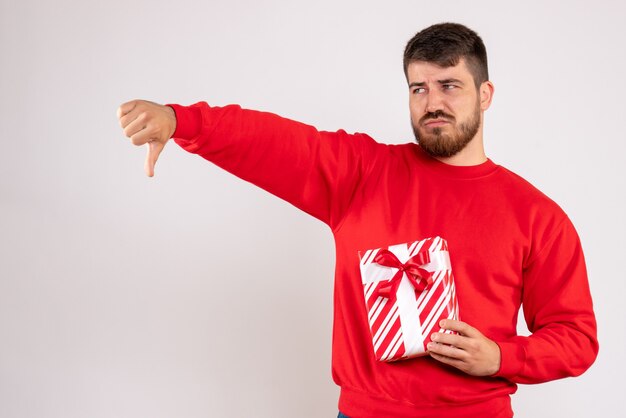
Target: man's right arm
{"points": [[315, 171]]}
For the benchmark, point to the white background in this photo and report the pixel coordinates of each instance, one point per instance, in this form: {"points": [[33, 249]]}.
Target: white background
{"points": [[125, 296]]}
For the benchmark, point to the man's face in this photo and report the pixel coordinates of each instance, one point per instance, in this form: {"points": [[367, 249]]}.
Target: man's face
{"points": [[445, 105]]}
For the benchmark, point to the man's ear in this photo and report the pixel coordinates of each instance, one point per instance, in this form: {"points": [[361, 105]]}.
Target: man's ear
{"points": [[486, 94]]}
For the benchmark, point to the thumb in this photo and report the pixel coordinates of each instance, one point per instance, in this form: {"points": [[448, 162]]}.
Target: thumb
{"points": [[154, 150]]}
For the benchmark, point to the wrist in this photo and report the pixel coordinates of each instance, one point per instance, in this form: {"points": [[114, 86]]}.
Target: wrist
{"points": [[172, 121], [187, 121]]}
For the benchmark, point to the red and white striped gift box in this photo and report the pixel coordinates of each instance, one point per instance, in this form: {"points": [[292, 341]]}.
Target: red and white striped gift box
{"points": [[408, 289]]}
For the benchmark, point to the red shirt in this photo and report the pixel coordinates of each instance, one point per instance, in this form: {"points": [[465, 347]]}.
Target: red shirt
{"points": [[509, 244]]}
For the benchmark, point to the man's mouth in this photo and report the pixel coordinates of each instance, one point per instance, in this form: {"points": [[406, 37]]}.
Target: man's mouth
{"points": [[433, 123]]}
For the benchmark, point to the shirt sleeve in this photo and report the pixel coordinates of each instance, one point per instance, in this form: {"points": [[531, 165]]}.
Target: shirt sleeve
{"points": [[316, 171], [558, 310]]}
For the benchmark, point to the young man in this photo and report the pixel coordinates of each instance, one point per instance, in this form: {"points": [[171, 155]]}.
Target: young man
{"points": [[508, 243]]}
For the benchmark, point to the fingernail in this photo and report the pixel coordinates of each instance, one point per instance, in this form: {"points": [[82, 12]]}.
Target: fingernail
{"points": [[434, 337], [442, 322]]}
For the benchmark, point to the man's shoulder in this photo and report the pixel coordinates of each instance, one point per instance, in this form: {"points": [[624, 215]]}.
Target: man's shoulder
{"points": [[527, 195]]}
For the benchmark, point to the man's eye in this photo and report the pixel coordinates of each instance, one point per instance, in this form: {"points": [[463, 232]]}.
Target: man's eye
{"points": [[419, 90], [449, 86]]}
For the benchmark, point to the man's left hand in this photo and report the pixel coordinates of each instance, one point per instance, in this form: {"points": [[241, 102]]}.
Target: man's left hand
{"points": [[469, 350]]}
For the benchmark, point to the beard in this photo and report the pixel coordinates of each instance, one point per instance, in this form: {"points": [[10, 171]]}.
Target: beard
{"points": [[439, 143]]}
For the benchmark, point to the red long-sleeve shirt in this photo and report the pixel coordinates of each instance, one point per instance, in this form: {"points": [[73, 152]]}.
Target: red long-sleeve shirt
{"points": [[509, 245]]}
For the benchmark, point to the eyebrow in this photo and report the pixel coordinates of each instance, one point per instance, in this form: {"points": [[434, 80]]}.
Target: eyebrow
{"points": [[445, 81]]}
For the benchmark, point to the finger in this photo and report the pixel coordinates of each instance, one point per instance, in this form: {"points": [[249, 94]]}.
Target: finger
{"points": [[447, 351], [143, 136], [460, 327], [125, 108], [136, 126], [449, 339], [154, 150], [139, 111], [129, 117]]}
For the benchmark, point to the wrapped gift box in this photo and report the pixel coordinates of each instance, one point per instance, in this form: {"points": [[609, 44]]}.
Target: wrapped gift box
{"points": [[408, 289]]}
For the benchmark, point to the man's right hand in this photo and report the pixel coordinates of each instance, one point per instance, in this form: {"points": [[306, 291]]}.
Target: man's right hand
{"points": [[149, 123]]}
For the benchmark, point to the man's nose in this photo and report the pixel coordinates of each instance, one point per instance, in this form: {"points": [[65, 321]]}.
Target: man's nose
{"points": [[434, 101]]}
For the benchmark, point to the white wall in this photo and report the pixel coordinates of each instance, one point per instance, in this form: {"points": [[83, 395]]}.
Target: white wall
{"points": [[125, 296]]}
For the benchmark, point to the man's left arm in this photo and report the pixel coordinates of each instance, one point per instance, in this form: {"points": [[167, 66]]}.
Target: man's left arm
{"points": [[559, 313]]}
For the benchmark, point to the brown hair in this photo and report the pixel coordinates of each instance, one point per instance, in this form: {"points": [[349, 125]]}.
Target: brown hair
{"points": [[444, 44]]}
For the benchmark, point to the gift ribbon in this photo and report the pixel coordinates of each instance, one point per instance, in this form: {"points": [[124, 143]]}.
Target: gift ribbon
{"points": [[419, 277]]}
